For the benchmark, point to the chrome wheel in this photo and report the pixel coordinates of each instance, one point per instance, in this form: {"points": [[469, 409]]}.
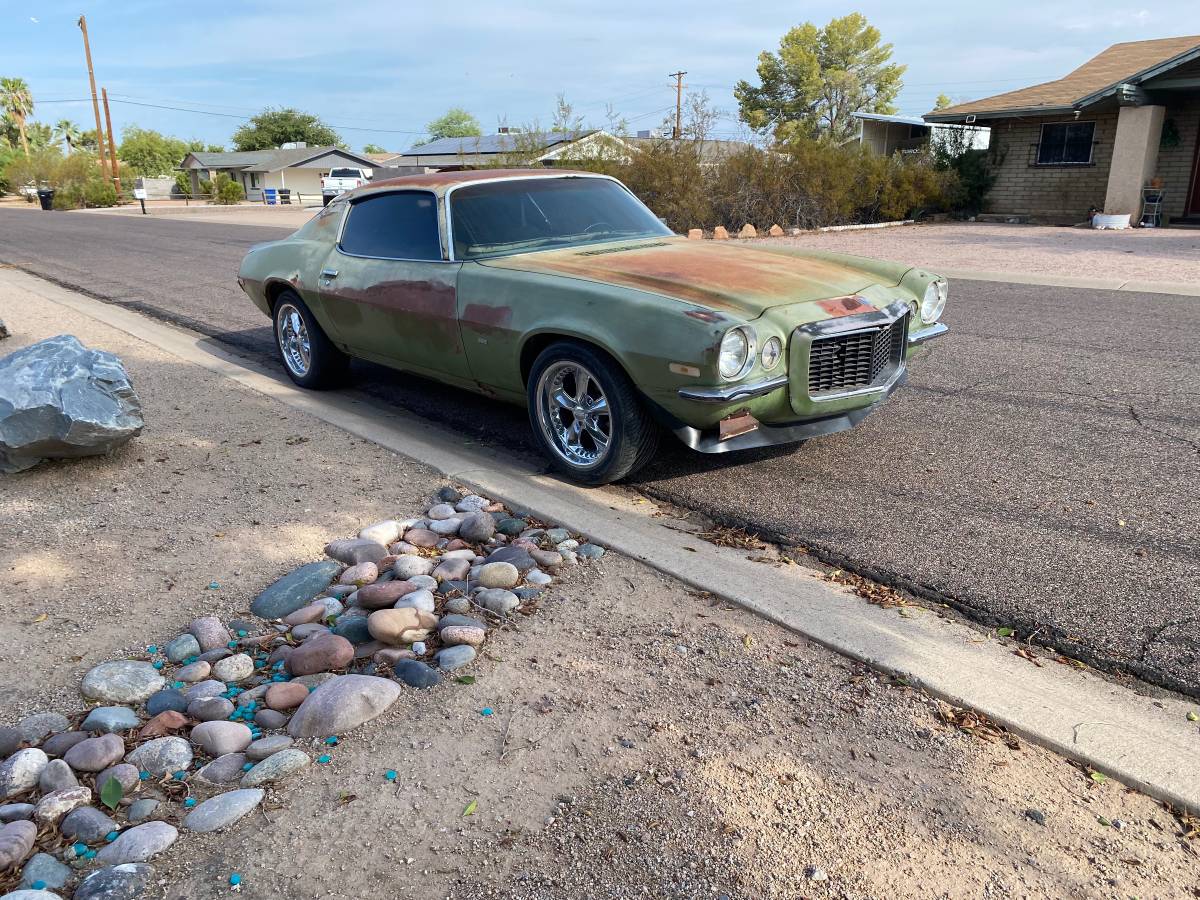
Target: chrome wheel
{"points": [[574, 415], [294, 343]]}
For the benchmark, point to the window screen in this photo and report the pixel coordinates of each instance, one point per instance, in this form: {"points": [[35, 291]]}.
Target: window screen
{"points": [[1066, 143], [394, 226]]}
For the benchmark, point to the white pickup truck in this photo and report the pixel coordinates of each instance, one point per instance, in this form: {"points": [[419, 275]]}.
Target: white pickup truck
{"points": [[338, 181]]}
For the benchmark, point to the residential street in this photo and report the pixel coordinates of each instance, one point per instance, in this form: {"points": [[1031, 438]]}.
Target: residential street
{"points": [[1040, 469]]}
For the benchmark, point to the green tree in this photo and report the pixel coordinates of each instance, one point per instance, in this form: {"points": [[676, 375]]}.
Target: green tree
{"points": [[455, 123], [68, 132], [272, 128], [819, 78], [942, 102], [17, 102], [152, 154], [373, 148]]}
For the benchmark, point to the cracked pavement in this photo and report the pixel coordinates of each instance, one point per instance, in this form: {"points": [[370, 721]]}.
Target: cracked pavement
{"points": [[1040, 470]]}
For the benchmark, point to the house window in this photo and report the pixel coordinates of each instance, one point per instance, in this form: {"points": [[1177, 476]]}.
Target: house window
{"points": [[394, 226], [1066, 144]]}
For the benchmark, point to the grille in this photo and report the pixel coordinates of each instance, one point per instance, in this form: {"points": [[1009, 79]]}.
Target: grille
{"points": [[842, 363]]}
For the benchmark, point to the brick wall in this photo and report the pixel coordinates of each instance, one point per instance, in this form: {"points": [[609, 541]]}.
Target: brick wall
{"points": [[1063, 193], [1175, 163]]}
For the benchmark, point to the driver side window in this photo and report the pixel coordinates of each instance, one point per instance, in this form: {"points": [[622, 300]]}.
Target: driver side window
{"points": [[400, 225]]}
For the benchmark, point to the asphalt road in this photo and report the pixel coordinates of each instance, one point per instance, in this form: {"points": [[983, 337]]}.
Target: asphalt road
{"points": [[1041, 470]]}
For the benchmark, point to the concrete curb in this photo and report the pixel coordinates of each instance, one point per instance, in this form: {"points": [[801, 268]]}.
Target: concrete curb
{"points": [[1146, 743]]}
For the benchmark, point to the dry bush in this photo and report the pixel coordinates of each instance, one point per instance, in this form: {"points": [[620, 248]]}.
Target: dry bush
{"points": [[803, 184]]}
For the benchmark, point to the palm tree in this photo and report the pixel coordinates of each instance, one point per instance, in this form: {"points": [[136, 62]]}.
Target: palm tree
{"points": [[18, 101], [69, 132]]}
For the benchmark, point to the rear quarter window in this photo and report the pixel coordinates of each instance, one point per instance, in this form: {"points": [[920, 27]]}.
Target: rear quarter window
{"points": [[401, 225]]}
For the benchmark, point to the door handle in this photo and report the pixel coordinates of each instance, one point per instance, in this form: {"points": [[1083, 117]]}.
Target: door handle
{"points": [[329, 273]]}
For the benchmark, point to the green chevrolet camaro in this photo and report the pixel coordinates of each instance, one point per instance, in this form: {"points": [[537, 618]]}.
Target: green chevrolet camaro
{"points": [[562, 291]]}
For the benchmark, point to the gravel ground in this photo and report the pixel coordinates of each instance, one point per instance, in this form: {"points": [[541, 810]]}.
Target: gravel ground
{"points": [[645, 741], [1154, 254]]}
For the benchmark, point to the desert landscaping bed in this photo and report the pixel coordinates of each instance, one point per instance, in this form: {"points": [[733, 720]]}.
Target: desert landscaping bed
{"points": [[617, 735]]}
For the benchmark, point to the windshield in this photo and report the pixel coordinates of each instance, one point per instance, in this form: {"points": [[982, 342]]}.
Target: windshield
{"points": [[524, 214], [344, 173]]}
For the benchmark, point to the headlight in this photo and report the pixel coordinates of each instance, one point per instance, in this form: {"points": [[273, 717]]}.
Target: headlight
{"points": [[772, 352], [934, 301], [737, 352]]}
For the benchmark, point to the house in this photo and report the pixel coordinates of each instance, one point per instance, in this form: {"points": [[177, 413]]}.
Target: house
{"points": [[1095, 138], [546, 148], [711, 151], [884, 134], [296, 167]]}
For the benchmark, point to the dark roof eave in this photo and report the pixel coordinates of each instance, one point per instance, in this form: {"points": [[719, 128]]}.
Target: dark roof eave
{"points": [[1016, 113]]}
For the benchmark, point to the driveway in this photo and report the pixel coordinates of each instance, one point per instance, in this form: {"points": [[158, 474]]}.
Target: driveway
{"points": [[1039, 471], [1142, 254]]}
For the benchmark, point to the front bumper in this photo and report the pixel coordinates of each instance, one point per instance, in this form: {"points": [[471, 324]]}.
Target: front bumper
{"points": [[772, 435], [779, 409]]}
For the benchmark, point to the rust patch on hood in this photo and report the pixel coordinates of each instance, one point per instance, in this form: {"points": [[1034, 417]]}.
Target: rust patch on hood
{"points": [[845, 306], [716, 276]]}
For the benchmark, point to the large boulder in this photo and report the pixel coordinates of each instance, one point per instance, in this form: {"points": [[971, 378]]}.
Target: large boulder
{"points": [[58, 399]]}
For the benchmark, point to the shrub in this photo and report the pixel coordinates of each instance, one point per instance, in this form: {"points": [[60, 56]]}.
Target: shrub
{"points": [[99, 193], [70, 197], [226, 191], [805, 183]]}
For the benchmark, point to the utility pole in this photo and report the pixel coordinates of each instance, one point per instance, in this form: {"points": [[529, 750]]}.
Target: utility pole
{"points": [[82, 23], [678, 76], [112, 147]]}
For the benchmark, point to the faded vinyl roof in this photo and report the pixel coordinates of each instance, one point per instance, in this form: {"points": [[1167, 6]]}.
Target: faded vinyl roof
{"points": [[1120, 62], [439, 181]]}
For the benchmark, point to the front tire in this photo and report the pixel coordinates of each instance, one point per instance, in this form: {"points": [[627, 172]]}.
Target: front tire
{"points": [[587, 416], [308, 356]]}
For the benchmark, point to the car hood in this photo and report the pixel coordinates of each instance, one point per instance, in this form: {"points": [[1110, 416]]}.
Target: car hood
{"points": [[724, 277]]}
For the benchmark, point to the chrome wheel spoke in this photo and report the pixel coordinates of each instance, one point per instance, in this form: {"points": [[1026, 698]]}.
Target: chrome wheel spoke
{"points": [[598, 407], [294, 342], [574, 414]]}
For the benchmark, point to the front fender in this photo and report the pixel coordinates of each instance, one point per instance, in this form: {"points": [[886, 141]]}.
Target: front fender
{"points": [[504, 312]]}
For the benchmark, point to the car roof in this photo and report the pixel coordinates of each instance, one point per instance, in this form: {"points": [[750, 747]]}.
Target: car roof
{"points": [[440, 182]]}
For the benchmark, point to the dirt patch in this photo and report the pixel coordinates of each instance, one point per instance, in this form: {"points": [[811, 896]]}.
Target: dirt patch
{"points": [[643, 741]]}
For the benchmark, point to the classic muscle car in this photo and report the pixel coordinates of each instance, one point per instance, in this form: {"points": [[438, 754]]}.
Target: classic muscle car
{"points": [[562, 291]]}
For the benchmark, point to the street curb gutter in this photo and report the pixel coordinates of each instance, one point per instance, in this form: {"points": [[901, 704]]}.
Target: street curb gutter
{"points": [[1146, 743]]}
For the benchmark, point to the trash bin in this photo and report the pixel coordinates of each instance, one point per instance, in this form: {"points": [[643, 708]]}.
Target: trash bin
{"points": [[46, 198]]}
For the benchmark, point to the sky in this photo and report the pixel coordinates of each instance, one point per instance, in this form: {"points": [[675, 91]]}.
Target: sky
{"points": [[379, 71]]}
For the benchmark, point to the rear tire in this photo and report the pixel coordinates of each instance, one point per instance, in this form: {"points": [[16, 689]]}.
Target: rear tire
{"points": [[587, 416], [308, 356]]}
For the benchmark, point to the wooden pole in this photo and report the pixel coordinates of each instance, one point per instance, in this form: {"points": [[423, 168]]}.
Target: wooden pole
{"points": [[82, 23], [112, 147], [678, 76]]}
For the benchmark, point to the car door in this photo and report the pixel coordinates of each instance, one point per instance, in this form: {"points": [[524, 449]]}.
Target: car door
{"points": [[388, 291]]}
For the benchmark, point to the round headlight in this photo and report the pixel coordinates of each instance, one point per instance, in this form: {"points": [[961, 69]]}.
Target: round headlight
{"points": [[772, 352], [934, 301], [735, 351]]}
